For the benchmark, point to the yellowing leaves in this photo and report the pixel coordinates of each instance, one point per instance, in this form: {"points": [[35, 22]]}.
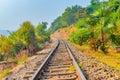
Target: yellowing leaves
{"points": [[118, 27], [5, 45]]}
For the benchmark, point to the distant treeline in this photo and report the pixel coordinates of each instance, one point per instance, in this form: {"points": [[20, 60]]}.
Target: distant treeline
{"points": [[71, 15]]}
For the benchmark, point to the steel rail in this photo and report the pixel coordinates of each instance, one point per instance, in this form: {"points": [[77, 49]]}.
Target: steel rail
{"points": [[78, 70], [37, 73], [41, 67]]}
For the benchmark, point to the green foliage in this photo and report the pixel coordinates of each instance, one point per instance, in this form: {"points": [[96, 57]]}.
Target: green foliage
{"points": [[118, 12], [4, 73], [6, 44], [25, 38], [80, 36], [57, 24], [17, 47], [70, 16], [115, 39], [95, 4], [80, 65], [26, 33], [102, 19], [82, 23], [42, 33], [72, 67], [40, 29]]}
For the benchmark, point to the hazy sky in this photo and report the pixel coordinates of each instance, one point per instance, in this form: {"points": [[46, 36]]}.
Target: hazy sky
{"points": [[15, 12]]}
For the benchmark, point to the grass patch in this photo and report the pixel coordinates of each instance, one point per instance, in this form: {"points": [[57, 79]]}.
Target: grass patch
{"points": [[4, 73], [22, 59], [112, 58], [80, 65], [72, 68]]}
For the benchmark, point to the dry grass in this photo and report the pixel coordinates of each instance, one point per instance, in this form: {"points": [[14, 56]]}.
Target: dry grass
{"points": [[22, 59], [10, 60], [64, 33], [112, 58], [7, 70]]}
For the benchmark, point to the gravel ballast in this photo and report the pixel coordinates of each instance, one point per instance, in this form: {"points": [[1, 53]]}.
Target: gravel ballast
{"points": [[94, 69]]}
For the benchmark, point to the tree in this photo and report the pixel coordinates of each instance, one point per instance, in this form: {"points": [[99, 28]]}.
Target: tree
{"points": [[42, 33], [70, 16], [67, 17], [26, 35], [56, 24], [115, 34], [81, 13], [94, 2], [40, 29]]}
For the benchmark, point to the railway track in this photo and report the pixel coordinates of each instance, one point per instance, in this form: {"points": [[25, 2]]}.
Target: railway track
{"points": [[57, 65]]}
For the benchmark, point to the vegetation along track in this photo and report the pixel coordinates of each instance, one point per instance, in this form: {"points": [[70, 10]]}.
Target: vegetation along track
{"points": [[57, 65]]}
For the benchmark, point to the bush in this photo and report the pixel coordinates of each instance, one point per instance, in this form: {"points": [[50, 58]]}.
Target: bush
{"points": [[81, 36], [17, 47], [94, 44], [103, 45], [81, 23], [115, 39], [22, 56]]}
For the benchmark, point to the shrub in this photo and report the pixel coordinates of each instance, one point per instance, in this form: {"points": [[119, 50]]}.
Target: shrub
{"points": [[115, 39], [22, 56], [96, 44], [81, 36], [4, 73], [17, 47], [93, 44], [81, 23]]}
